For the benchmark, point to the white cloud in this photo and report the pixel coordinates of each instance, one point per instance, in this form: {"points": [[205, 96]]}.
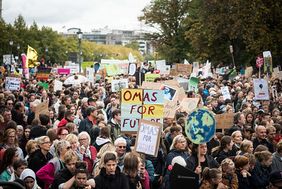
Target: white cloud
{"points": [[85, 14]]}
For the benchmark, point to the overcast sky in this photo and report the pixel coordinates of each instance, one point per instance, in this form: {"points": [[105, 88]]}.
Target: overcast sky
{"points": [[84, 14]]}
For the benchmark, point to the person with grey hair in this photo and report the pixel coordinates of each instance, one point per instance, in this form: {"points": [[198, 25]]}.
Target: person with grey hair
{"points": [[47, 172], [87, 151], [120, 144]]}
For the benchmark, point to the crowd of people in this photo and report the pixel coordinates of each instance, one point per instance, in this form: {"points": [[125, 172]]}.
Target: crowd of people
{"points": [[79, 143]]}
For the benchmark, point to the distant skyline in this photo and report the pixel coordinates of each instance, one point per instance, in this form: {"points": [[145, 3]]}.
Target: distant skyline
{"points": [[85, 14]]}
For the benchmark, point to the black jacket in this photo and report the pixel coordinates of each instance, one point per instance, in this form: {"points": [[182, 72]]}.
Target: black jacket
{"points": [[61, 177], [37, 131], [260, 176], [117, 181], [243, 182], [85, 125], [264, 142], [192, 162]]}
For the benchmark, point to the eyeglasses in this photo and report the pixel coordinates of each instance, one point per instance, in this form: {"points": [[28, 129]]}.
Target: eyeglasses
{"points": [[47, 142], [122, 147], [83, 139]]}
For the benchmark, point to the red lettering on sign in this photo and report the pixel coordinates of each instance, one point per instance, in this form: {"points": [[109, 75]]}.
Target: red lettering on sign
{"points": [[150, 110], [125, 95]]}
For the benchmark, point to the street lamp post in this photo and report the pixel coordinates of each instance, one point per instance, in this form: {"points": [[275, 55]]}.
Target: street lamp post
{"points": [[79, 35], [11, 59], [232, 55], [46, 54], [18, 51]]}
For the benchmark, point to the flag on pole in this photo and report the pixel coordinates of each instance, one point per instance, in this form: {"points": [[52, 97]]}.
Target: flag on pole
{"points": [[31, 57]]}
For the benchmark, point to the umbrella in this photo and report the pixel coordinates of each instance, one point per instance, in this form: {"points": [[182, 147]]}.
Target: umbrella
{"points": [[72, 81]]}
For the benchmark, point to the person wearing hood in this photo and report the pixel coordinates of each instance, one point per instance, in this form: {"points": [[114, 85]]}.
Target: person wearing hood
{"points": [[277, 158], [103, 138], [28, 176]]}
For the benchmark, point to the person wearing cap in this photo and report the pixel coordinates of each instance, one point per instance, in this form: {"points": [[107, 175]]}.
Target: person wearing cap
{"points": [[89, 121]]}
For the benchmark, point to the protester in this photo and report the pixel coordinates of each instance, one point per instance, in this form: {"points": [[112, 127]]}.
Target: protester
{"points": [[28, 176], [6, 169]]}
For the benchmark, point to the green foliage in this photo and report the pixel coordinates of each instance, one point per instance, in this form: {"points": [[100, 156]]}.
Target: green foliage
{"points": [[58, 45], [168, 17]]}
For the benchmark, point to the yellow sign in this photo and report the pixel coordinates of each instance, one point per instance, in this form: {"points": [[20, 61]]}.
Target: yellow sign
{"points": [[132, 96]]}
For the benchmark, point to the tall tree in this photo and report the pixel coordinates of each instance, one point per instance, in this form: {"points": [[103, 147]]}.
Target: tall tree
{"points": [[168, 17]]}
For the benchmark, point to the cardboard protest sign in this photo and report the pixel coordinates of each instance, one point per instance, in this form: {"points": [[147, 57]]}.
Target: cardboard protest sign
{"points": [[150, 85], [13, 83], [41, 108], [225, 92], [193, 84], [249, 72], [43, 73], [149, 77], [117, 85], [261, 89], [137, 104], [170, 107], [184, 69], [189, 104], [200, 126], [169, 92], [224, 121], [148, 137], [58, 85], [183, 82]]}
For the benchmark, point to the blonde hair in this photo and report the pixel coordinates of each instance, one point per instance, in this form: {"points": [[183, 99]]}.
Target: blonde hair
{"points": [[176, 140], [245, 145], [29, 144], [71, 138], [69, 156], [40, 140], [227, 163]]}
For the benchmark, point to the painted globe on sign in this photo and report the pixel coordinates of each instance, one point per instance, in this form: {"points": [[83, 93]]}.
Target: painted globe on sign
{"points": [[200, 126]]}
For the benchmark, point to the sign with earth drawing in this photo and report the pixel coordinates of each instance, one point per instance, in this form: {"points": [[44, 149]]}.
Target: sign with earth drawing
{"points": [[200, 126]]}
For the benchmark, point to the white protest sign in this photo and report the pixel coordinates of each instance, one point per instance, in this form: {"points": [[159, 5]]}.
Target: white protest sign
{"points": [[13, 83], [196, 68], [132, 69], [90, 74], [8, 59], [73, 68], [160, 64], [261, 89], [131, 58], [117, 85], [207, 70], [148, 137], [225, 93], [58, 85], [165, 70]]}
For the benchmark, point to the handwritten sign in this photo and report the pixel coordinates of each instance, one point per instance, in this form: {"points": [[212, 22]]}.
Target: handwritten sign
{"points": [[137, 104], [224, 121], [73, 68], [189, 104], [225, 93], [90, 74], [148, 137], [41, 108], [13, 83], [117, 85], [185, 69]]}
